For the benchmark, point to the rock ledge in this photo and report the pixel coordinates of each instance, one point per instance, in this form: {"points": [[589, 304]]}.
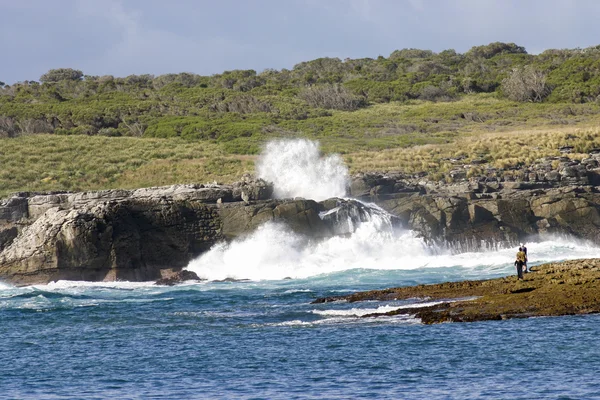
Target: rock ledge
{"points": [[565, 288]]}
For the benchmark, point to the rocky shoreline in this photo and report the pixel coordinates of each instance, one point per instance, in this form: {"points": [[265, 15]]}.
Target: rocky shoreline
{"points": [[554, 289], [148, 234]]}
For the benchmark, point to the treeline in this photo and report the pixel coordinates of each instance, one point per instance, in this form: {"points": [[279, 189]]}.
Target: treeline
{"points": [[237, 105]]}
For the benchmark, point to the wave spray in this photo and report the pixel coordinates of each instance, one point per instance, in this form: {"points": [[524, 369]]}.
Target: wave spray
{"points": [[274, 252], [297, 169]]}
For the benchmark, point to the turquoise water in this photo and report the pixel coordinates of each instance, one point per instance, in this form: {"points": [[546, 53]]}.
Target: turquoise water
{"points": [[264, 340]]}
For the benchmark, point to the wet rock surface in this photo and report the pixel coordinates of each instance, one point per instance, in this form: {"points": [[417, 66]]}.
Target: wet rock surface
{"points": [[565, 288], [177, 278]]}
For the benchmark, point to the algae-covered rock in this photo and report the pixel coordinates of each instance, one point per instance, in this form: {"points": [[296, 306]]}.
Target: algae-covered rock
{"points": [[566, 288]]}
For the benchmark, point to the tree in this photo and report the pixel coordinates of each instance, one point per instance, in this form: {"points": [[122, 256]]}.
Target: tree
{"points": [[411, 53], [61, 74], [526, 84], [493, 49]]}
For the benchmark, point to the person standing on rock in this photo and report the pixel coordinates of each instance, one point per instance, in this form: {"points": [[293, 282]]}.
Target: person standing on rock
{"points": [[519, 262], [524, 250]]}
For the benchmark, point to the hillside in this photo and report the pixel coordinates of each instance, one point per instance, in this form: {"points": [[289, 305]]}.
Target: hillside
{"points": [[495, 102]]}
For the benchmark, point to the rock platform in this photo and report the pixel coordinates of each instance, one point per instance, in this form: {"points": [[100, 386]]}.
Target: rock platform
{"points": [[565, 288]]}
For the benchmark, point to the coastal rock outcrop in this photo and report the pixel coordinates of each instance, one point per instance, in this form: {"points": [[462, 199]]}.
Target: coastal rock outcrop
{"points": [[566, 288], [555, 196], [177, 277], [141, 234]]}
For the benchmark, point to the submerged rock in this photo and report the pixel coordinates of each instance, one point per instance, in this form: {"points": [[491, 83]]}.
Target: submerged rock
{"points": [[226, 280]]}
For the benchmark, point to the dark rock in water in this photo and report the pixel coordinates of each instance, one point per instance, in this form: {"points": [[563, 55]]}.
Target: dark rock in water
{"points": [[231, 280], [178, 277], [344, 216]]}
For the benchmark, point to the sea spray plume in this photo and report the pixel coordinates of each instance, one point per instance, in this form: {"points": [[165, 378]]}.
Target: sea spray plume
{"points": [[297, 169]]}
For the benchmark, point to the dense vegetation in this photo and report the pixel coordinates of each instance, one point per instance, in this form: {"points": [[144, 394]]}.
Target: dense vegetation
{"points": [[412, 97]]}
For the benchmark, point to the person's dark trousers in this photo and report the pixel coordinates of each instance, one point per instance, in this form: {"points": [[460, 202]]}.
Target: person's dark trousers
{"points": [[520, 269]]}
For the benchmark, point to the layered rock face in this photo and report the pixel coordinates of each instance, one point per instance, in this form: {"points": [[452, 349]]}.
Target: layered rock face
{"points": [[143, 234], [561, 200], [147, 234]]}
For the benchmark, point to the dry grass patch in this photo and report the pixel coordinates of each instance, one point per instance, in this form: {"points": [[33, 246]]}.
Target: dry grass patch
{"points": [[168, 172], [49, 162], [500, 150]]}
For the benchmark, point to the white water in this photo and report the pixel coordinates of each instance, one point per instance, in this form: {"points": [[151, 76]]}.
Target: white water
{"points": [[297, 170], [359, 312], [274, 252]]}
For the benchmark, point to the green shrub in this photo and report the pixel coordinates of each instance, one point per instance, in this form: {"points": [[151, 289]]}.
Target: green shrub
{"points": [[62, 74]]}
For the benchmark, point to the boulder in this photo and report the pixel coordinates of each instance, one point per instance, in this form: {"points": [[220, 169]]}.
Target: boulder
{"points": [[129, 240], [178, 277]]}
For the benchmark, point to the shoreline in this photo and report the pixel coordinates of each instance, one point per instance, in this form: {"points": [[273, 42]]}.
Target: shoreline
{"points": [[552, 289]]}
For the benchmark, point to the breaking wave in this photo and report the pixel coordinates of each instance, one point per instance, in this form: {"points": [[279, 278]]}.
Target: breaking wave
{"points": [[275, 252]]}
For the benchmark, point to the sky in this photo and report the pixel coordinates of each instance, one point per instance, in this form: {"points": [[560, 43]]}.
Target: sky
{"points": [[125, 37]]}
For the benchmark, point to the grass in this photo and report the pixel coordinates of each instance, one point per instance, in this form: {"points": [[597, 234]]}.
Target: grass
{"points": [[50, 162], [415, 137], [500, 150]]}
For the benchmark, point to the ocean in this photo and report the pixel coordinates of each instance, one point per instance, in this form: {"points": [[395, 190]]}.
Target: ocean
{"points": [[259, 337]]}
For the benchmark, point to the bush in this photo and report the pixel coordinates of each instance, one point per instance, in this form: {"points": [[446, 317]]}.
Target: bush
{"points": [[61, 74], [111, 132], [526, 84], [411, 53], [494, 49], [434, 93], [332, 97], [8, 127], [32, 126], [243, 104]]}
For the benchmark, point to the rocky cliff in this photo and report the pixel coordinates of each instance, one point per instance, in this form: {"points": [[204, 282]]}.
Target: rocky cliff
{"points": [[556, 196], [147, 233], [144, 234]]}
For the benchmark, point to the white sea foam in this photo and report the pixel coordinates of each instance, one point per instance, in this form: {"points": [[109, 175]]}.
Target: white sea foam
{"points": [[59, 285], [292, 291], [273, 252], [297, 169], [397, 319], [359, 312]]}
